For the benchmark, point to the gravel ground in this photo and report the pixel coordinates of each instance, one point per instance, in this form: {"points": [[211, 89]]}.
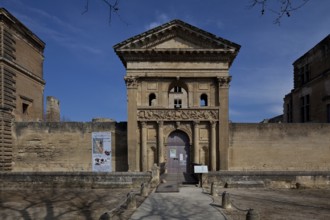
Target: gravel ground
{"points": [[279, 204], [49, 204]]}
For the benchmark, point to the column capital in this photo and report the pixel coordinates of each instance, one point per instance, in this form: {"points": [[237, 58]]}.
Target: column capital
{"points": [[131, 81], [160, 123], [213, 123], [196, 123], [223, 81], [143, 124]]}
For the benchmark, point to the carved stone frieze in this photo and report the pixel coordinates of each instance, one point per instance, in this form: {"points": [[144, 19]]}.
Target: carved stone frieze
{"points": [[131, 81], [183, 115], [224, 81]]}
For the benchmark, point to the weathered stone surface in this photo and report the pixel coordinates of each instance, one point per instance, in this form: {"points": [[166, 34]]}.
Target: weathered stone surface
{"points": [[270, 179], [280, 147], [41, 146], [72, 179]]}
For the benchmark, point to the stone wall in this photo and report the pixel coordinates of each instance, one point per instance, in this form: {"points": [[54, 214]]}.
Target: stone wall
{"points": [[269, 179], [67, 146], [303, 147], [72, 179]]}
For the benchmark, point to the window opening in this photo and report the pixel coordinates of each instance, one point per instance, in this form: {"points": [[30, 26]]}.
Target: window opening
{"points": [[289, 112], [305, 74], [177, 103], [304, 109], [203, 100], [25, 108], [328, 113], [152, 99], [177, 89]]}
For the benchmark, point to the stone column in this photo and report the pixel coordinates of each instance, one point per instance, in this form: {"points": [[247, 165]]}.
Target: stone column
{"points": [[144, 152], [223, 83], [160, 143], [196, 141], [213, 150], [133, 150]]}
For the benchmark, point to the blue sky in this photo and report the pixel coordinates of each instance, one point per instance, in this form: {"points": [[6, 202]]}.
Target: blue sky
{"points": [[83, 72]]}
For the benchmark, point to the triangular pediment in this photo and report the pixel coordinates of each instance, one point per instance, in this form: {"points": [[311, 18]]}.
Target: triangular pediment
{"points": [[176, 34], [175, 37], [175, 42]]}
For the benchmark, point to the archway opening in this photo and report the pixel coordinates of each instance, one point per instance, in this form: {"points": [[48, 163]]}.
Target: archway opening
{"points": [[178, 153]]}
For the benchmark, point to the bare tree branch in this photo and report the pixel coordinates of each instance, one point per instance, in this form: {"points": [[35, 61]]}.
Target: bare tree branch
{"points": [[113, 8], [286, 7]]}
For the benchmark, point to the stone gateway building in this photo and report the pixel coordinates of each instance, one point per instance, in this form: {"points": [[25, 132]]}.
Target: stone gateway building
{"points": [[177, 85]]}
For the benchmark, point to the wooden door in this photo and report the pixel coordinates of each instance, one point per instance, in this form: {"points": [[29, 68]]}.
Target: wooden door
{"points": [[178, 153]]}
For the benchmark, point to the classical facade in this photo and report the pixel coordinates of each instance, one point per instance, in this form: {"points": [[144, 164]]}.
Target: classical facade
{"points": [[21, 80], [177, 79], [309, 101]]}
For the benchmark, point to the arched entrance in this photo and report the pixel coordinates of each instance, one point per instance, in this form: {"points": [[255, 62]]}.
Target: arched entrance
{"points": [[178, 152]]}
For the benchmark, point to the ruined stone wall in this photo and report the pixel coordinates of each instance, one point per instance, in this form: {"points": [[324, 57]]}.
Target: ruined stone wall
{"points": [[53, 113], [54, 146], [281, 147]]}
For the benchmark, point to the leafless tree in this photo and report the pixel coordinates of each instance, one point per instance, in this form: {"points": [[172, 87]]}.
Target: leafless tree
{"points": [[113, 7], [279, 7], [284, 7]]}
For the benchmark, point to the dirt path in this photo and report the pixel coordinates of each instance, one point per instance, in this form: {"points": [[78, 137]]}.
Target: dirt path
{"points": [[288, 204]]}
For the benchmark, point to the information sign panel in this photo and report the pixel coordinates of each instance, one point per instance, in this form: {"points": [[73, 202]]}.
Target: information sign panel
{"points": [[101, 151], [201, 169]]}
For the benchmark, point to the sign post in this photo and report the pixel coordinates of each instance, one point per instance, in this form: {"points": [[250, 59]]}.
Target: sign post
{"points": [[201, 169]]}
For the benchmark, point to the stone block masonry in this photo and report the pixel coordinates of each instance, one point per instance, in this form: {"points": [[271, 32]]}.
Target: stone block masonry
{"points": [[6, 145], [66, 146], [279, 147], [72, 179]]}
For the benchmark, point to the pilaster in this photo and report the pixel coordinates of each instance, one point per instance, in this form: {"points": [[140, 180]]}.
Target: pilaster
{"points": [[144, 155], [223, 85], [213, 151], [160, 142], [133, 150], [196, 142]]}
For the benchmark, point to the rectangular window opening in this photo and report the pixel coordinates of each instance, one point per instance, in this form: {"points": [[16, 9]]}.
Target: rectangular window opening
{"points": [[177, 103], [328, 113], [305, 109], [25, 108]]}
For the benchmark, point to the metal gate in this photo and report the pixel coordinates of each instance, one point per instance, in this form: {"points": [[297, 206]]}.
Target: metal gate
{"points": [[178, 157]]}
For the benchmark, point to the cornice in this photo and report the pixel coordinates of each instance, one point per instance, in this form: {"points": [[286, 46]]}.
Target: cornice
{"points": [[176, 55], [7, 18], [22, 70]]}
